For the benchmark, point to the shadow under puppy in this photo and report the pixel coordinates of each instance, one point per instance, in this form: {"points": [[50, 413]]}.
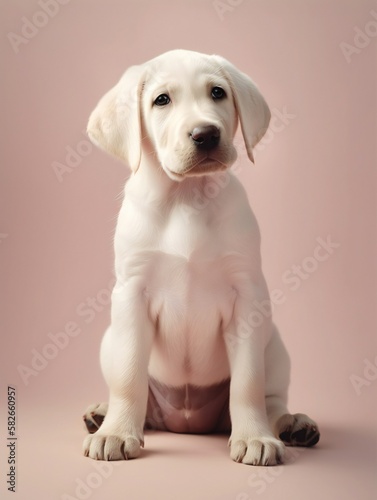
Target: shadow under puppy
{"points": [[191, 346]]}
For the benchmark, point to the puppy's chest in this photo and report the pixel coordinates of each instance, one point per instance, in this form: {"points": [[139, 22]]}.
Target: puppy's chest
{"points": [[188, 290], [190, 283]]}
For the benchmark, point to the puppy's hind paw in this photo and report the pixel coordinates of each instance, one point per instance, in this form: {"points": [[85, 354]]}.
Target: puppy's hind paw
{"points": [[297, 430], [94, 415]]}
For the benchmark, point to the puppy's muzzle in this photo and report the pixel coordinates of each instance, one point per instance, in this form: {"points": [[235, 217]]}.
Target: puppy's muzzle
{"points": [[205, 137]]}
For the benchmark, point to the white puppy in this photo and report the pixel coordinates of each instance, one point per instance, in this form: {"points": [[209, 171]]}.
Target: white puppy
{"points": [[191, 346]]}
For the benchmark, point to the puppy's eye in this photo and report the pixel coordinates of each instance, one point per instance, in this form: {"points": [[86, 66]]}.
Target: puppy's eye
{"points": [[162, 100], [218, 93]]}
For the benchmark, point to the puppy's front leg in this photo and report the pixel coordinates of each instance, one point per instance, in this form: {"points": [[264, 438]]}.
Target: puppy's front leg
{"points": [[125, 354], [252, 441]]}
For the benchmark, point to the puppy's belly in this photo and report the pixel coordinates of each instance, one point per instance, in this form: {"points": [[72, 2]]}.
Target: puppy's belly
{"points": [[188, 409]]}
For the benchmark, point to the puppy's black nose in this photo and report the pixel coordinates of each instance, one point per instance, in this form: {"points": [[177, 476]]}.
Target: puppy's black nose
{"points": [[206, 137]]}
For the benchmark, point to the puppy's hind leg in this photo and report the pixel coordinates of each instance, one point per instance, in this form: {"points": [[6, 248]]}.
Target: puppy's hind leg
{"points": [[94, 415], [294, 430]]}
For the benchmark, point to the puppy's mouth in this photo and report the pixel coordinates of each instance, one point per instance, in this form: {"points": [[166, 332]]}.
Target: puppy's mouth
{"points": [[204, 166]]}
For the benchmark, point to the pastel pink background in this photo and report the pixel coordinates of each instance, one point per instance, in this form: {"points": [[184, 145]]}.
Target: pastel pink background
{"points": [[315, 178]]}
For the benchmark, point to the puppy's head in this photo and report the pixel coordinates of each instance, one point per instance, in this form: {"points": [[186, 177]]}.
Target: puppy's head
{"points": [[188, 106]]}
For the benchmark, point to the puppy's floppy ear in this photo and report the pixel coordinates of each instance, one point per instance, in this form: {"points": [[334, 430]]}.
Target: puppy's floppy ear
{"points": [[114, 125], [253, 111]]}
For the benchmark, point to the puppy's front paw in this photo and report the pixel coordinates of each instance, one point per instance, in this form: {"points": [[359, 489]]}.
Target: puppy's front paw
{"points": [[257, 450], [101, 446]]}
